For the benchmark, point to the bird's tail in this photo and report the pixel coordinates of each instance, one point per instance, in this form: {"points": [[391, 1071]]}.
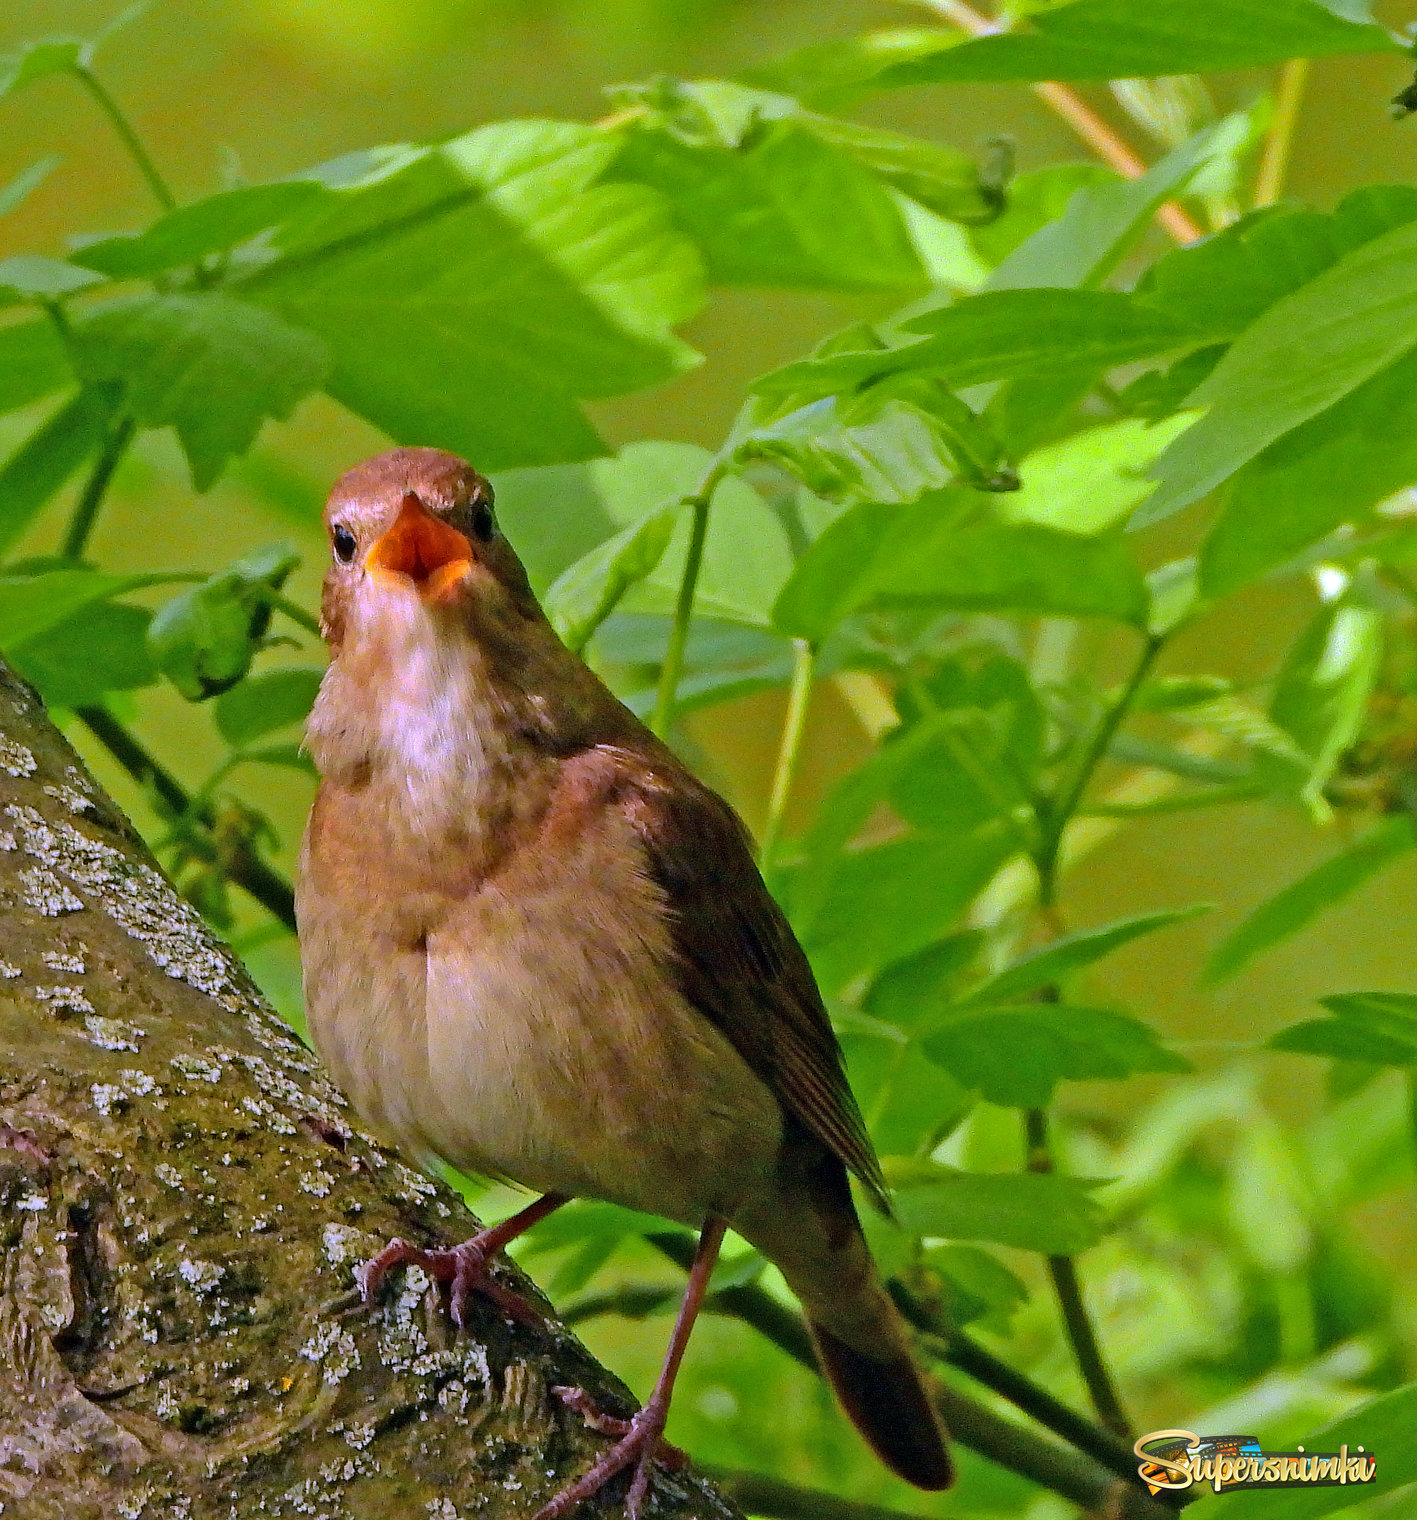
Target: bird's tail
{"points": [[884, 1396]]}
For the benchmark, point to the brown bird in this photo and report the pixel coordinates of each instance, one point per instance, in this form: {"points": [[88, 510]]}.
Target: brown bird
{"points": [[537, 947]]}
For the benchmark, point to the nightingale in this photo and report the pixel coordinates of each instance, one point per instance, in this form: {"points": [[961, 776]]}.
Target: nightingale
{"points": [[537, 947]]}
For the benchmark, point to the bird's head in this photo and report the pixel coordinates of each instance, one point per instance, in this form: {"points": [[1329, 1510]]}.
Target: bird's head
{"points": [[413, 536]]}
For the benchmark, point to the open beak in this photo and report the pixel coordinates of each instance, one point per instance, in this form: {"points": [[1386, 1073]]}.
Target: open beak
{"points": [[434, 556]]}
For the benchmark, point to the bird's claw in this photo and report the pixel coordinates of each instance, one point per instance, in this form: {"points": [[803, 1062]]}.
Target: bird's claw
{"points": [[640, 1442], [465, 1269]]}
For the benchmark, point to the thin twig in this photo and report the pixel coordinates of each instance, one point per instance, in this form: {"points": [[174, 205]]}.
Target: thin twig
{"points": [[673, 666], [245, 867], [794, 725], [1067, 104], [1082, 1336], [76, 536], [130, 139], [1070, 1473], [1269, 181]]}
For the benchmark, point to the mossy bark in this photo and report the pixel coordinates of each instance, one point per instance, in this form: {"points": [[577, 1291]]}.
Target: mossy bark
{"points": [[183, 1197]]}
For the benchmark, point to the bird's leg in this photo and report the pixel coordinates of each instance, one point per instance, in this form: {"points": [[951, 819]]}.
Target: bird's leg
{"points": [[466, 1267], [640, 1441]]}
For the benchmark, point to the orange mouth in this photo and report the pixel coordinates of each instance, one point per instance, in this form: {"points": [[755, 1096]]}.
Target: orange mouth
{"points": [[432, 555]]}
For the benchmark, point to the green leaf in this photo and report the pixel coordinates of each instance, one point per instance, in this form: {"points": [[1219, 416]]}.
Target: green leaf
{"points": [[890, 443], [1065, 956], [211, 366], [100, 648], [471, 292], [1118, 39], [778, 206], [1016, 1056], [1307, 352], [1055, 1215], [923, 982], [1321, 696], [192, 232], [997, 335], [38, 60], [1378, 1028], [33, 276], [1293, 909], [586, 593], [34, 363], [1330, 470], [32, 604], [1266, 1199], [737, 586], [1083, 246], [879, 557], [50, 455], [263, 703], [27, 181], [1091, 480], [286, 756], [1382, 1425], [978, 1286], [204, 639], [880, 904], [1033, 199]]}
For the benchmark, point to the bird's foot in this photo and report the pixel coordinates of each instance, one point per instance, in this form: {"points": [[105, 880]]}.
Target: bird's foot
{"points": [[640, 1444], [464, 1269]]}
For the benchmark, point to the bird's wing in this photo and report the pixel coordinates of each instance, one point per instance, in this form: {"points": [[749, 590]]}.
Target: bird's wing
{"points": [[739, 962]]}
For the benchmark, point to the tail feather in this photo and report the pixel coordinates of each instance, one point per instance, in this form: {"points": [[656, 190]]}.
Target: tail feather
{"points": [[885, 1399]]}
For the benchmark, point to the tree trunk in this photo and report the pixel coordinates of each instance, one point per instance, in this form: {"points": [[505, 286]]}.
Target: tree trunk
{"points": [[183, 1197]]}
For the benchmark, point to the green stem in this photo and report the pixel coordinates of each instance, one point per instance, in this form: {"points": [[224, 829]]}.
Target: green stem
{"points": [[129, 138], [1081, 1335], [1269, 182], [1061, 810], [673, 666], [296, 613], [794, 725], [76, 536]]}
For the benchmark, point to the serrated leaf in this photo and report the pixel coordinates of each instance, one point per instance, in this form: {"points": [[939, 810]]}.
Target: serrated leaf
{"points": [[471, 292], [1118, 39], [26, 182], [54, 452], [1378, 1028], [1016, 1056], [263, 703], [996, 335], [586, 593], [785, 209], [1054, 1215], [214, 224], [30, 605], [1294, 908], [1303, 355], [100, 648], [34, 363], [205, 639], [1072, 953], [209, 365], [878, 557]]}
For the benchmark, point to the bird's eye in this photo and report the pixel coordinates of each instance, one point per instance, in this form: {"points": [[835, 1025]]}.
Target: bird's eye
{"points": [[344, 542], [484, 524]]}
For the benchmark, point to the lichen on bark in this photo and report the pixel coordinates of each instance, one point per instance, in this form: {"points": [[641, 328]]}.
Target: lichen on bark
{"points": [[183, 1198]]}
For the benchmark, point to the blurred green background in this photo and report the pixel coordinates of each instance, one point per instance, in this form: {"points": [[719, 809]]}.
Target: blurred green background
{"points": [[273, 86]]}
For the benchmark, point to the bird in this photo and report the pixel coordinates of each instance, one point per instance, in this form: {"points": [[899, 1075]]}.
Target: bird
{"points": [[536, 947]]}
